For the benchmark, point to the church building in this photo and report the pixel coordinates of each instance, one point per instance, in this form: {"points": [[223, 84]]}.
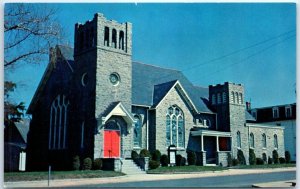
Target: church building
{"points": [[95, 101]]}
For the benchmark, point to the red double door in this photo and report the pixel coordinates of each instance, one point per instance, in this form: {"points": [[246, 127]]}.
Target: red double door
{"points": [[111, 143]]}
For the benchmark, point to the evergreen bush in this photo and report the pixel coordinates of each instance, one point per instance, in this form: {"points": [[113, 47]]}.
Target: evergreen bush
{"points": [[259, 161], [241, 157], [178, 159], [76, 163], [134, 155], [287, 156], [153, 164], [235, 162], [164, 160], [264, 157], [282, 160], [156, 155], [97, 165], [183, 161], [270, 160], [87, 164], [191, 158], [275, 157], [252, 157], [145, 153]]}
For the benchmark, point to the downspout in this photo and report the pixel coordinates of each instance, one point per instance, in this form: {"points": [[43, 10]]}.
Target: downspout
{"points": [[147, 130]]}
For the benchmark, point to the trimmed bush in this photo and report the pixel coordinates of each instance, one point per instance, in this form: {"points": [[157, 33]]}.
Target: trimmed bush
{"points": [[282, 160], [191, 158], [156, 155], [183, 161], [241, 157], [164, 160], [252, 157], [287, 157], [134, 155], [229, 159], [178, 159], [270, 160], [259, 161], [264, 158], [97, 165], [153, 164], [76, 163], [145, 153], [275, 157], [235, 162], [87, 164]]}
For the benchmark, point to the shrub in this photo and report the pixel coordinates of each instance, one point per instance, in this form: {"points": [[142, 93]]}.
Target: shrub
{"points": [[183, 161], [191, 158], [156, 155], [153, 164], [134, 155], [145, 153], [264, 157], [178, 159], [259, 161], [97, 165], [241, 157], [87, 164], [229, 159], [275, 157], [287, 157], [164, 160], [252, 157], [270, 160], [76, 163], [282, 160], [235, 162]]}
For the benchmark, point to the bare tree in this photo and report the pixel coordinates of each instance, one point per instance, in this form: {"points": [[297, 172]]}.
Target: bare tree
{"points": [[29, 31]]}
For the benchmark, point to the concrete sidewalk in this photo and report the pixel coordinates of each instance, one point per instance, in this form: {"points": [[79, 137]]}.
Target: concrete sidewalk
{"points": [[133, 178], [279, 184]]}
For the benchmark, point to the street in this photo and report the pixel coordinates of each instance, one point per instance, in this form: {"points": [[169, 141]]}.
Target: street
{"points": [[215, 181]]}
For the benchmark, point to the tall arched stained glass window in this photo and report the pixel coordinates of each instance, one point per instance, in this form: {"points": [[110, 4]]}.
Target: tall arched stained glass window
{"points": [[264, 140], [137, 131], [251, 140], [175, 127], [275, 141], [238, 139]]}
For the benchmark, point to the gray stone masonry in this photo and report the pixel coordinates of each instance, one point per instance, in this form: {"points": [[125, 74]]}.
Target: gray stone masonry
{"points": [[222, 158]]}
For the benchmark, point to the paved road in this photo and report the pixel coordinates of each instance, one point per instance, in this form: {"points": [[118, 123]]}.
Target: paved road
{"points": [[220, 181]]}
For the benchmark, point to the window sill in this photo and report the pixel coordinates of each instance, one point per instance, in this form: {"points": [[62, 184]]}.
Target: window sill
{"points": [[264, 148], [137, 148], [252, 148], [201, 126]]}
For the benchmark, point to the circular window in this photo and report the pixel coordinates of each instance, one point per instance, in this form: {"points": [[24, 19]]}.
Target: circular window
{"points": [[114, 78], [84, 79]]}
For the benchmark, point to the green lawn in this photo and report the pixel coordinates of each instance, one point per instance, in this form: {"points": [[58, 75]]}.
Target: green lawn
{"points": [[185, 169], [29, 176], [267, 166]]}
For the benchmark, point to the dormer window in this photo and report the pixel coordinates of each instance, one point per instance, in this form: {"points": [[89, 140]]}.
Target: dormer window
{"points": [[275, 112], [288, 111]]}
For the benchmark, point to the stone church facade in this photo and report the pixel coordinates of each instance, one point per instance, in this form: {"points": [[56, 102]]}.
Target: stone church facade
{"points": [[94, 101]]}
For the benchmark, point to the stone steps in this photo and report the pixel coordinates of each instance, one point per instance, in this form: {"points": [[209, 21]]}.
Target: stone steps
{"points": [[130, 168]]}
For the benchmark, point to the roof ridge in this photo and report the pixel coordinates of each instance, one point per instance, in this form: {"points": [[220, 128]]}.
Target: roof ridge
{"points": [[156, 66]]}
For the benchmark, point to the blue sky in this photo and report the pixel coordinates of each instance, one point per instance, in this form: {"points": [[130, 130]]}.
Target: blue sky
{"points": [[253, 44]]}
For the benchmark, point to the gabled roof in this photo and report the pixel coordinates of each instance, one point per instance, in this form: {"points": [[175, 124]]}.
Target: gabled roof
{"points": [[67, 54], [249, 117], [145, 76], [161, 90], [23, 128]]}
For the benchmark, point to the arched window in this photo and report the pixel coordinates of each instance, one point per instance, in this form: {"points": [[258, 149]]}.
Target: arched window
{"points": [[58, 122], [219, 98], [232, 97], [137, 136], [121, 40], [275, 141], [264, 140], [175, 127], [241, 98], [213, 99], [224, 97], [238, 139], [251, 140], [81, 40], [106, 36], [237, 97], [114, 38]]}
